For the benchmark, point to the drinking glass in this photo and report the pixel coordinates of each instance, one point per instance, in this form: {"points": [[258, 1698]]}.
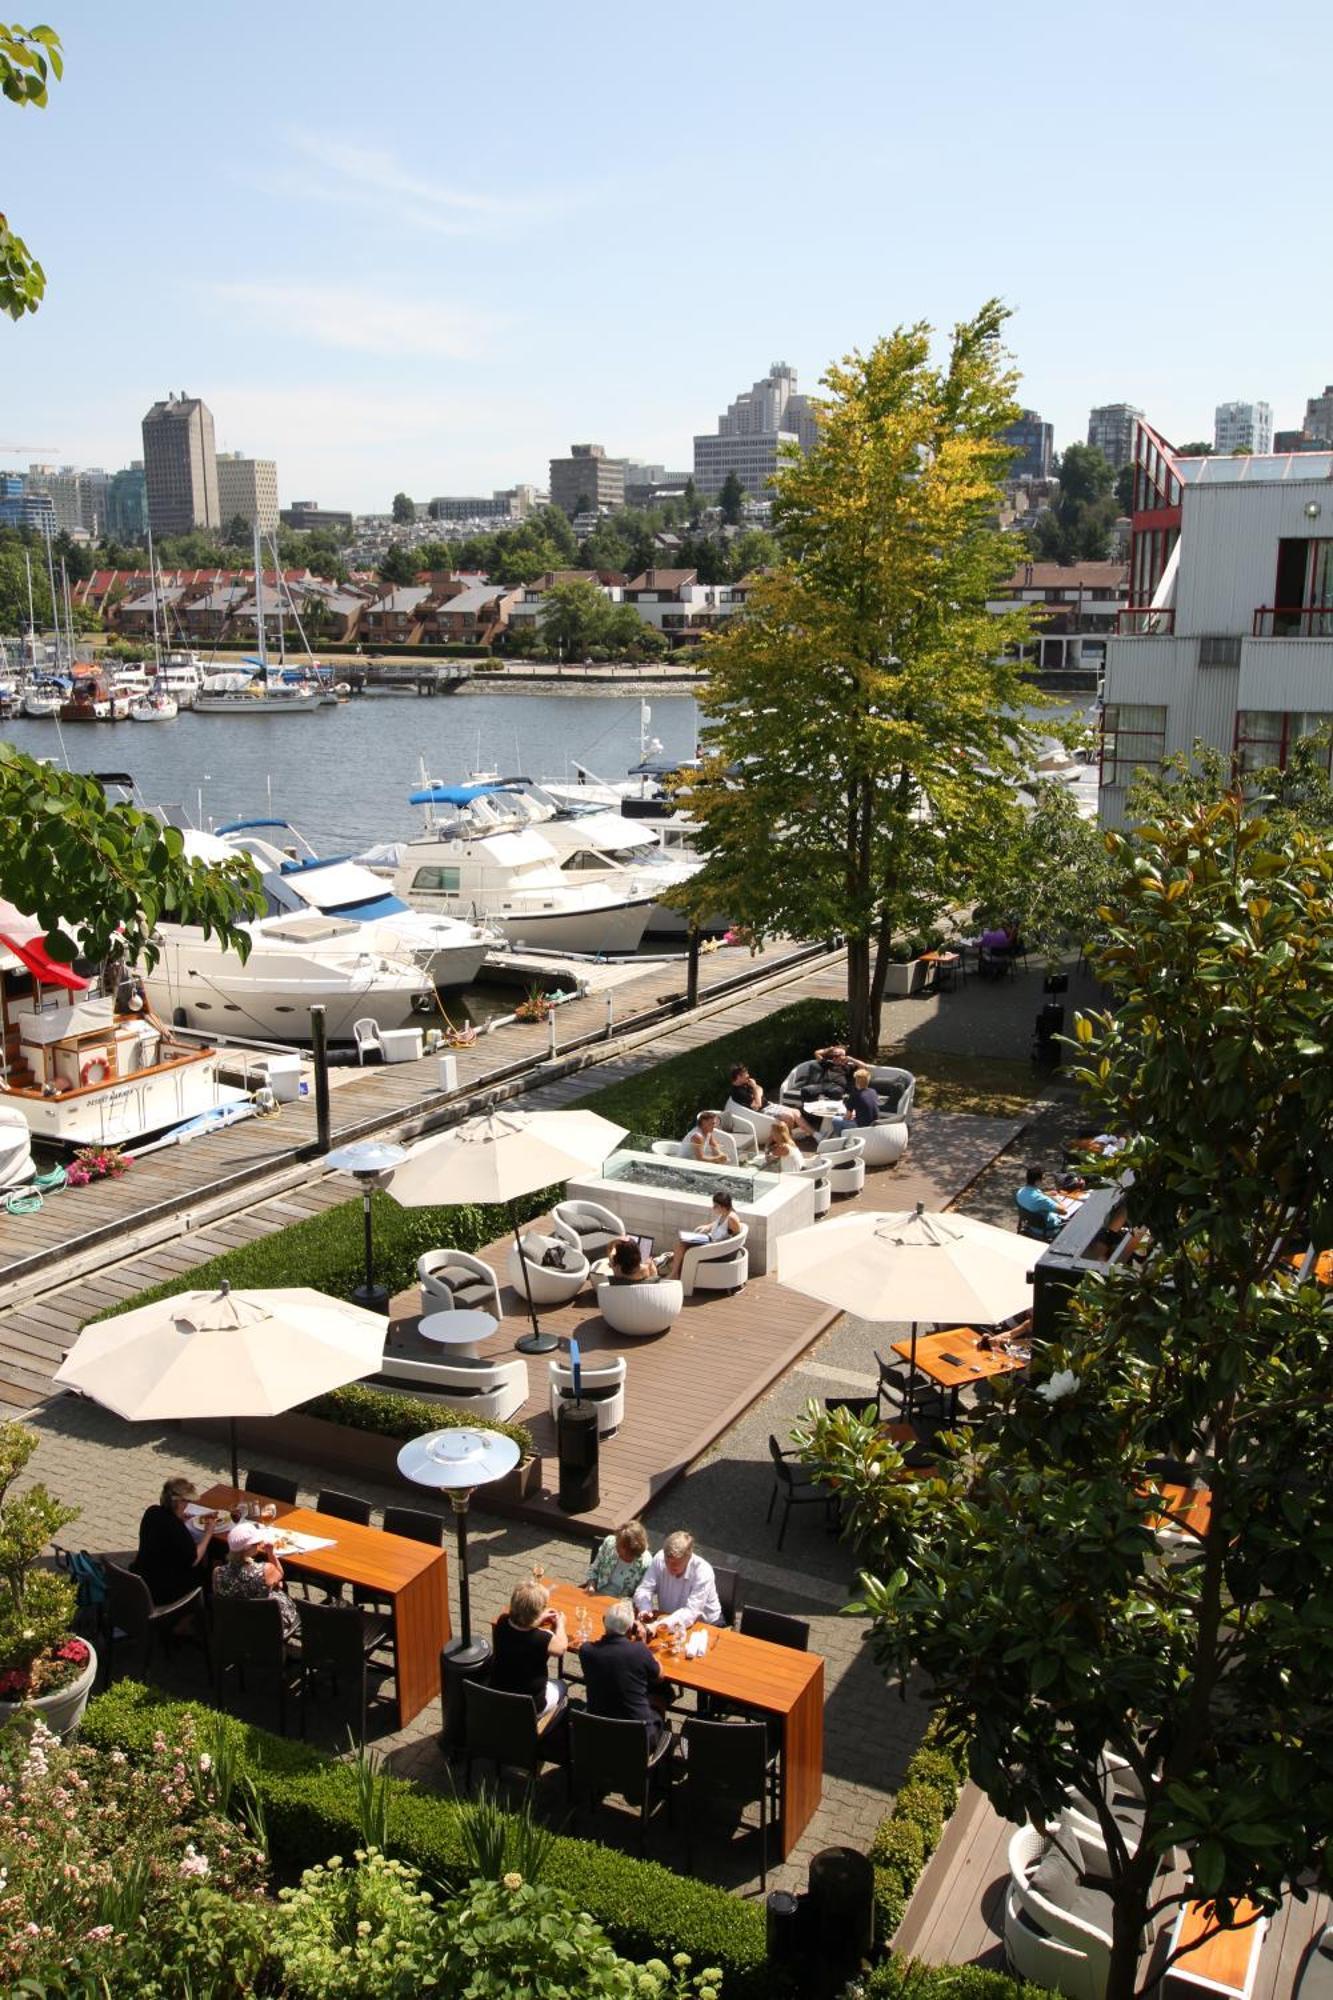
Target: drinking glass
{"points": [[268, 1512], [241, 1511], [538, 1571]]}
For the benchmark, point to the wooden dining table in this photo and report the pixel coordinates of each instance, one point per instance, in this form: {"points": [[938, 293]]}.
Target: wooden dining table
{"points": [[955, 1358], [774, 1681], [411, 1577], [1214, 1959]]}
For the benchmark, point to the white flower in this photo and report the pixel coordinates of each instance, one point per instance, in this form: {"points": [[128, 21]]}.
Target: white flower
{"points": [[1063, 1383], [192, 1863], [205, 1762]]}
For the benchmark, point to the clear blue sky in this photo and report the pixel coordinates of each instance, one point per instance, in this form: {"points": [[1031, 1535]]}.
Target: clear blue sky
{"points": [[426, 246]]}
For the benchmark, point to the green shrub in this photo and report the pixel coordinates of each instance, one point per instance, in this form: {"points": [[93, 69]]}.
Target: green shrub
{"points": [[310, 1805], [924, 1806], [890, 1905], [390, 1414], [937, 1768], [908, 1979], [899, 1844]]}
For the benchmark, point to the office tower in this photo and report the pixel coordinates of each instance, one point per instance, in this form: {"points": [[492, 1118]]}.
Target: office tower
{"points": [[1111, 430], [180, 465]]}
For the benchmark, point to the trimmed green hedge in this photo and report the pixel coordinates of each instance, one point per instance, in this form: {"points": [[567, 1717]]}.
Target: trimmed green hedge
{"points": [[908, 1835], [908, 1979], [310, 1806], [389, 1413]]}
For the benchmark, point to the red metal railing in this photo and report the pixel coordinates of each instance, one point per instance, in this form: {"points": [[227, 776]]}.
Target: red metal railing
{"points": [[1145, 620], [1293, 621]]}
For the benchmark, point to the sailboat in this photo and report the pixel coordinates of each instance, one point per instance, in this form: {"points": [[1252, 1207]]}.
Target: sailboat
{"points": [[256, 692]]}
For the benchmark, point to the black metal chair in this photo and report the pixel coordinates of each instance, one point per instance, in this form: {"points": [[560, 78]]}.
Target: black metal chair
{"points": [[775, 1626], [904, 1388], [337, 1641], [272, 1485], [608, 1755], [798, 1487], [730, 1592], [130, 1614], [415, 1525], [248, 1641], [503, 1728], [730, 1763], [344, 1507]]}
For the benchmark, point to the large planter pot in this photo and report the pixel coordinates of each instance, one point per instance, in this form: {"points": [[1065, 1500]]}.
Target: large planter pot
{"points": [[901, 980], [61, 1712]]}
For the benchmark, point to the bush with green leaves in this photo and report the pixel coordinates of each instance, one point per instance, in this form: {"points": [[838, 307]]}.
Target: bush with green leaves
{"points": [[389, 1413], [907, 1979], [909, 1833], [37, 1606]]}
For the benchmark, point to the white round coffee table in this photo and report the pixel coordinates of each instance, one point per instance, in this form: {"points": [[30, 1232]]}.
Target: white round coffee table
{"points": [[826, 1109], [461, 1331]]}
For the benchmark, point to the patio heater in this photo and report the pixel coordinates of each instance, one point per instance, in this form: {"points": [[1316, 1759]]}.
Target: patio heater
{"points": [[367, 1162], [457, 1463]]}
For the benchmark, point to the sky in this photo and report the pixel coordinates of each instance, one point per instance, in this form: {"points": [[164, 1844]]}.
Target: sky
{"points": [[425, 247]]}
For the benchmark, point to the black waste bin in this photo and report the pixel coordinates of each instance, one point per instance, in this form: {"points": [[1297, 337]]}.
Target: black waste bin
{"points": [[842, 1908], [577, 1453], [1047, 1051]]}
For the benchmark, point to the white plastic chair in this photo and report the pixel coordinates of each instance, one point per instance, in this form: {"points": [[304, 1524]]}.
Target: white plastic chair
{"points": [[586, 1226], [548, 1284], [1054, 1947], [844, 1155], [482, 1389], [717, 1267], [821, 1173], [638, 1311], [883, 1145], [366, 1035], [742, 1127], [601, 1382], [475, 1289]]}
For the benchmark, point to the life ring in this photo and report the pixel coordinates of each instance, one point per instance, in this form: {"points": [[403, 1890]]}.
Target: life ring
{"points": [[96, 1070]]}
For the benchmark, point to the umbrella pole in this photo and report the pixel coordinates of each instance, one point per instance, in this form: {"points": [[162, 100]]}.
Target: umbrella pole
{"points": [[235, 1459], [535, 1342], [911, 1376]]}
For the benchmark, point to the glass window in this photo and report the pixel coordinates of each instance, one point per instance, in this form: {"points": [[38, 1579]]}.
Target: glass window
{"points": [[1260, 738], [1133, 739], [443, 881]]}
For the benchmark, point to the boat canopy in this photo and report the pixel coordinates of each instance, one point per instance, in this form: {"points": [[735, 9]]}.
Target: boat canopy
{"points": [[452, 795], [24, 937]]}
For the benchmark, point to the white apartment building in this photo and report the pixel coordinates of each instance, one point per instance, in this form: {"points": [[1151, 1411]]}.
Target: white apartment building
{"points": [[1243, 427], [753, 432], [1111, 431], [1228, 636], [248, 487]]}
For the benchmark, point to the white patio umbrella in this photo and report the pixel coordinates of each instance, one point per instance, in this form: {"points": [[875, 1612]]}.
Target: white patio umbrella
{"points": [[224, 1354], [501, 1156], [925, 1268]]}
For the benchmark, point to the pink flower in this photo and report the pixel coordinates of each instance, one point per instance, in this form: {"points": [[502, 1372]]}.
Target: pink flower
{"points": [[192, 1863]]}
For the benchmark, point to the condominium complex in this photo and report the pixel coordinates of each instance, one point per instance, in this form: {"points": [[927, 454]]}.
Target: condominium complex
{"points": [[1111, 430], [765, 421], [248, 489], [20, 508], [127, 504], [1319, 415], [1034, 443], [1243, 427], [587, 480], [180, 463], [508, 503]]}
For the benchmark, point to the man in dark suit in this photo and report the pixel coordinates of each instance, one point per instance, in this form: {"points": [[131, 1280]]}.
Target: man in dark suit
{"points": [[622, 1678]]}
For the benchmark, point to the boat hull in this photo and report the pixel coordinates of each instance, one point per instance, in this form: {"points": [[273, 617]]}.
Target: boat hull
{"points": [[198, 987], [128, 1109]]}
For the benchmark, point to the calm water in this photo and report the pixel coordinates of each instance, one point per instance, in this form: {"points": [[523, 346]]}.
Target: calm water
{"points": [[342, 775]]}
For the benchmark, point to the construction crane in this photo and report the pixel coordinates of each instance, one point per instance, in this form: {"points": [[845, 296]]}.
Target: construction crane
{"points": [[29, 447]]}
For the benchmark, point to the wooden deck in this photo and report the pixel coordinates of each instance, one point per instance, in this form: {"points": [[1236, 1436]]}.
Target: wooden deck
{"points": [[956, 1915]]}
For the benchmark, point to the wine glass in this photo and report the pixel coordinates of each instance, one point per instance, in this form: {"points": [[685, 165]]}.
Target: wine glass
{"points": [[268, 1512], [538, 1571]]}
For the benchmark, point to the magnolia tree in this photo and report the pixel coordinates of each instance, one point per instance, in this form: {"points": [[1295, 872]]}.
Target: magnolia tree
{"points": [[1029, 1582]]}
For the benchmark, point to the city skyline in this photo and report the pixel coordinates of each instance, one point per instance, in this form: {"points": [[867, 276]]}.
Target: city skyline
{"points": [[392, 298]]}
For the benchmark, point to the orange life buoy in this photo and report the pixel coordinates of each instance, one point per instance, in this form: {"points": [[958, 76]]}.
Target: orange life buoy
{"points": [[96, 1070]]}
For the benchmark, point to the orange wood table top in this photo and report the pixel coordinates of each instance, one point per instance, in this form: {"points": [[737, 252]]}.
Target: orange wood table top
{"points": [[411, 1576], [974, 1361], [1217, 1960], [1186, 1506], [777, 1680]]}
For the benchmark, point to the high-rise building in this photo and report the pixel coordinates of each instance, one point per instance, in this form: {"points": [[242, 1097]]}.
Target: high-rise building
{"points": [[248, 487], [1243, 427], [63, 487], [127, 504], [22, 508], [1034, 442], [587, 480], [1111, 430], [1287, 441], [753, 432], [1319, 415], [180, 464]]}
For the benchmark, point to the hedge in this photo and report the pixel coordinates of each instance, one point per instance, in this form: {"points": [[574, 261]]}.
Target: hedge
{"points": [[908, 1979], [310, 1806], [910, 1832], [389, 1413]]}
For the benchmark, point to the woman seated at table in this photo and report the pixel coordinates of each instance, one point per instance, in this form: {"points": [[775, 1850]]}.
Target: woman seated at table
{"points": [[721, 1223], [252, 1570], [171, 1558], [617, 1568], [526, 1637], [781, 1155]]}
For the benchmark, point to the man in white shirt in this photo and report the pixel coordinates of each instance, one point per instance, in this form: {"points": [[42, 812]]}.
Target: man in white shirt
{"points": [[681, 1583], [701, 1141]]}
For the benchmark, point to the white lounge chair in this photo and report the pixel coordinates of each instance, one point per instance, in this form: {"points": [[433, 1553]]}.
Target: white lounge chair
{"points": [[637, 1311], [601, 1382], [883, 1145], [366, 1035], [586, 1226], [1057, 1933], [820, 1171], [803, 1077], [895, 1088], [549, 1285], [846, 1157], [452, 1279], [478, 1389], [679, 1149], [717, 1267]]}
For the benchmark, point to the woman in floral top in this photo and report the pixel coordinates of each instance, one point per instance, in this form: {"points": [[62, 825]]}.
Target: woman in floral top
{"points": [[252, 1570], [618, 1566]]}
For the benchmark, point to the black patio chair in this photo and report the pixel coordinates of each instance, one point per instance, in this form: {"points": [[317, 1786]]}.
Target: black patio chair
{"points": [[129, 1614], [610, 1755], [272, 1485], [248, 1641], [798, 1487], [904, 1388], [503, 1728], [730, 1592], [757, 1622], [337, 1641], [344, 1507], [415, 1525], [733, 1764]]}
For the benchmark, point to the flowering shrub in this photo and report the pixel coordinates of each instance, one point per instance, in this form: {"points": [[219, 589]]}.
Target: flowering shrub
{"points": [[119, 1878], [48, 1674], [37, 1605], [98, 1163]]}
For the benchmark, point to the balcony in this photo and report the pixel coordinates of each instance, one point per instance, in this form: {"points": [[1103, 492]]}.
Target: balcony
{"points": [[1145, 621], [1295, 621]]}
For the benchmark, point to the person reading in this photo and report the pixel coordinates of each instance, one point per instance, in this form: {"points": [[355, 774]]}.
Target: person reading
{"points": [[722, 1222]]}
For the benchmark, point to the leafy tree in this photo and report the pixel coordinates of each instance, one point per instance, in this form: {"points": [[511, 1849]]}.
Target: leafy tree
{"points": [[1027, 1580], [1077, 528], [730, 500], [574, 618], [238, 534], [29, 57], [862, 693], [756, 549], [404, 512], [1124, 488], [98, 877], [1052, 878], [1200, 448], [78, 558], [14, 591], [693, 502], [398, 566]]}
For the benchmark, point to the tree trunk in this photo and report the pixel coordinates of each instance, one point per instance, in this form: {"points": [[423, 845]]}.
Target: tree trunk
{"points": [[1129, 1921], [862, 1029]]}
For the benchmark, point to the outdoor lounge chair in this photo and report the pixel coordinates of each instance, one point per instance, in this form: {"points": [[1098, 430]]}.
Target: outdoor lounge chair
{"points": [[883, 1144], [452, 1279], [477, 1389], [586, 1226], [1057, 1933], [895, 1089], [637, 1311], [601, 1382], [717, 1267], [846, 1158], [804, 1077], [548, 1284]]}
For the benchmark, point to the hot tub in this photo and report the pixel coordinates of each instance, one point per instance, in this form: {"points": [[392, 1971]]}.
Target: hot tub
{"points": [[657, 1197]]}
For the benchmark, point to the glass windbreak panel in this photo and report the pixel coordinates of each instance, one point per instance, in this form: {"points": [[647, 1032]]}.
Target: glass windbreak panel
{"points": [[1133, 739], [686, 1177], [444, 881]]}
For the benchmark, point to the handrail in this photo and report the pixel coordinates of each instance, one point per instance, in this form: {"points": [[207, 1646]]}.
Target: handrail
{"points": [[1146, 620], [1293, 621]]}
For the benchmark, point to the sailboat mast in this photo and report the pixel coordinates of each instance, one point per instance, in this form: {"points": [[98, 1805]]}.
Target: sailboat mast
{"points": [[152, 571], [51, 580], [259, 601], [69, 608], [32, 615]]}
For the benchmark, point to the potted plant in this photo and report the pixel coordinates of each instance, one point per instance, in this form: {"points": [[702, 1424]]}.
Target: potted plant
{"points": [[535, 1006], [904, 968], [46, 1670]]}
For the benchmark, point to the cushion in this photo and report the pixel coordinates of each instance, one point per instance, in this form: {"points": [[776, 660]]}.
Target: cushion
{"points": [[554, 1258], [455, 1281], [1057, 1880], [890, 1095], [582, 1229]]}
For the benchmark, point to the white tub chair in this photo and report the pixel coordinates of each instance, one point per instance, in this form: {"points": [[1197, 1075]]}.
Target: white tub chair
{"points": [[586, 1226], [549, 1285], [601, 1382], [454, 1278], [819, 1171], [748, 1129], [845, 1156], [638, 1311], [717, 1267], [1056, 1932], [478, 1389], [896, 1084], [678, 1149], [883, 1144]]}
